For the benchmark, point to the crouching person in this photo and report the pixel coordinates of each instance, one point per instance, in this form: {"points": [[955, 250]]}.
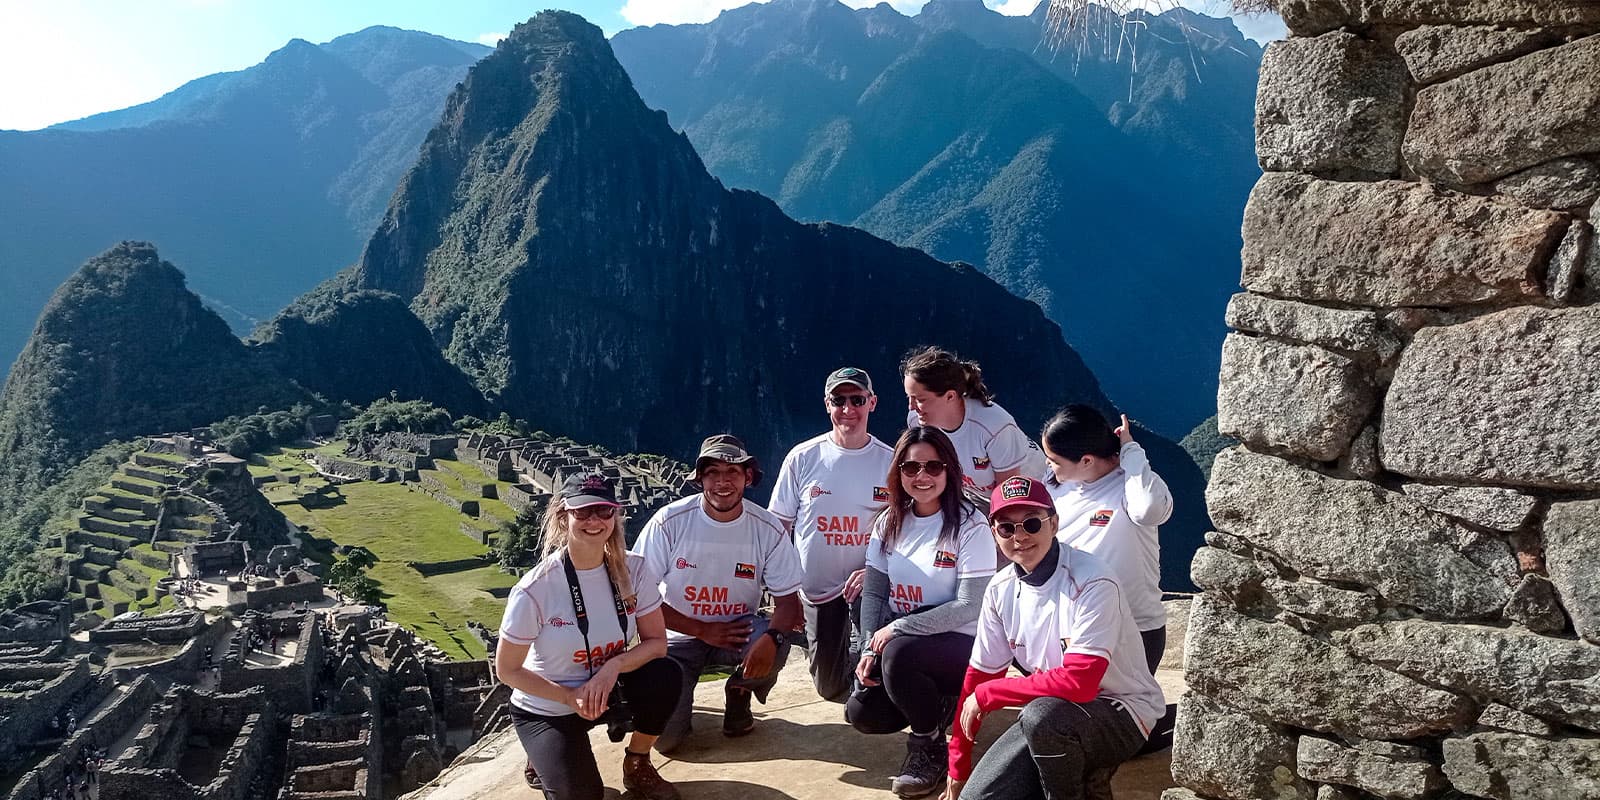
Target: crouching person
{"points": [[1088, 702], [713, 553], [565, 650]]}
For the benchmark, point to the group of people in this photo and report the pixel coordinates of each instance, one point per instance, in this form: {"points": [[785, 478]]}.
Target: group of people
{"points": [[80, 774], [917, 577]]}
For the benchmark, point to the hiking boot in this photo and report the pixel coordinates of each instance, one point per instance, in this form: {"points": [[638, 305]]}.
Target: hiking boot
{"points": [[736, 717], [922, 773], [640, 778], [531, 775]]}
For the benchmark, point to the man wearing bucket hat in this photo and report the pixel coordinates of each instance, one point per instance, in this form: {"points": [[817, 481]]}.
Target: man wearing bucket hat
{"points": [[713, 553], [1088, 702], [828, 491]]}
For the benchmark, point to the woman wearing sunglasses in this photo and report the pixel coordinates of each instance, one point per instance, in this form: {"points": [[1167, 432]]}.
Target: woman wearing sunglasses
{"points": [[928, 562], [1087, 701], [565, 650]]}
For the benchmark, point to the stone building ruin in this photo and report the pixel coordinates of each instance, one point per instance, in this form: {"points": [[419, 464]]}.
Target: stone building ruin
{"points": [[1402, 595]]}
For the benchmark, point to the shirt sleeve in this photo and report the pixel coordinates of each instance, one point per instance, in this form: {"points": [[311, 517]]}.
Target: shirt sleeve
{"points": [[991, 649], [780, 571], [1077, 679], [646, 593], [1146, 495], [976, 556], [522, 620], [960, 743], [1096, 619], [652, 546], [876, 558], [1009, 448], [785, 503]]}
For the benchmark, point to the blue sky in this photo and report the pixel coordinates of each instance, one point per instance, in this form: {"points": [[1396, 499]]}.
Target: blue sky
{"points": [[66, 59]]}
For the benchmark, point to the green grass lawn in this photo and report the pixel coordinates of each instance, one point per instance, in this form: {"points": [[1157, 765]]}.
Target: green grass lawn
{"points": [[399, 525]]}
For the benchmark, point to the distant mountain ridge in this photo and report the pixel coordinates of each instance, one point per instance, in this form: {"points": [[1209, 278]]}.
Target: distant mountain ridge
{"points": [[261, 182], [1108, 195]]}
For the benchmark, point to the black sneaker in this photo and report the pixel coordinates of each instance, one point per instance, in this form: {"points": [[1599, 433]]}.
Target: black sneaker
{"points": [[922, 773], [531, 775], [736, 717]]}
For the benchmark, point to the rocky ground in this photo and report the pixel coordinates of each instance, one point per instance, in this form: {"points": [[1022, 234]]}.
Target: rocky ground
{"points": [[802, 749]]}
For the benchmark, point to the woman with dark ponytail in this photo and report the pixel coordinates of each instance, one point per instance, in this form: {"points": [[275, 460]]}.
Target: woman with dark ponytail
{"points": [[949, 394], [1111, 503]]}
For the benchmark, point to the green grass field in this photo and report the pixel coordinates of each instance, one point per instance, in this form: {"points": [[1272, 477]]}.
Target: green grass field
{"points": [[399, 525]]}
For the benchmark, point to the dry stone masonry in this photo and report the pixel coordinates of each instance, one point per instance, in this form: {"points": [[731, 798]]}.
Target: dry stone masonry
{"points": [[1402, 594]]}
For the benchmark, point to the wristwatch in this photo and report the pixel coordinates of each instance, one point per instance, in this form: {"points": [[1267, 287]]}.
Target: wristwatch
{"points": [[779, 638]]}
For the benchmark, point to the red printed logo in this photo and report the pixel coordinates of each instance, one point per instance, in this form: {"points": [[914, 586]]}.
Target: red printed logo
{"points": [[683, 563], [980, 463], [944, 558], [1101, 518], [557, 622], [745, 571], [817, 491], [880, 494]]}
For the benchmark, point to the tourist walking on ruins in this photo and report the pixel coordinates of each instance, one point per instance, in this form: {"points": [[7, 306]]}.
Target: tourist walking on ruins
{"points": [[565, 650], [828, 491], [1087, 700], [947, 393], [928, 561], [714, 552]]}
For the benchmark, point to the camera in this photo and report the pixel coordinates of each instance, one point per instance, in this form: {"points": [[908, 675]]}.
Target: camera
{"points": [[618, 718]]}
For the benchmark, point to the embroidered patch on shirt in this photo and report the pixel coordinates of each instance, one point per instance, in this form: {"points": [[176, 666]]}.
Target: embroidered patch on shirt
{"points": [[1101, 518], [746, 571], [880, 494], [980, 462], [944, 558]]}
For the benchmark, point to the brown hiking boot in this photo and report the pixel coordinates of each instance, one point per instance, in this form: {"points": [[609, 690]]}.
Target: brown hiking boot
{"points": [[640, 778]]}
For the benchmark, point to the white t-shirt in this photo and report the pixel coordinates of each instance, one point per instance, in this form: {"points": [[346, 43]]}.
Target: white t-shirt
{"points": [[1079, 609], [831, 495], [1116, 519], [924, 573], [539, 614], [713, 571], [988, 442]]}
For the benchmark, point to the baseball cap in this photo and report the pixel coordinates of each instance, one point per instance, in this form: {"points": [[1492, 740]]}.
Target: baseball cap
{"points": [[593, 489], [851, 375], [726, 447], [1019, 491]]}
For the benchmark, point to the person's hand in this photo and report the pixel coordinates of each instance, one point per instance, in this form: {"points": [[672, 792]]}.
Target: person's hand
{"points": [[1125, 431], [853, 585], [952, 790], [758, 662], [971, 718], [864, 668], [590, 699], [731, 635], [880, 638]]}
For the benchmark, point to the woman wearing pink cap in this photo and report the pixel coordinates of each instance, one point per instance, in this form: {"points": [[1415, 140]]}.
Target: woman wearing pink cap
{"points": [[1087, 701], [567, 649]]}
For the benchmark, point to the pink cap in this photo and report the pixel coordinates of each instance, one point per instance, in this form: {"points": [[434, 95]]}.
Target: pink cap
{"points": [[1019, 491]]}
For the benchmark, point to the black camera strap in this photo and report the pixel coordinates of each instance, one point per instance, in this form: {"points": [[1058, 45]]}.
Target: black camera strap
{"points": [[580, 611]]}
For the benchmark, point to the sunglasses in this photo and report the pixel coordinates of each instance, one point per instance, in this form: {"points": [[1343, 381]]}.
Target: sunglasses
{"points": [[1009, 529], [840, 400], [911, 469], [593, 512]]}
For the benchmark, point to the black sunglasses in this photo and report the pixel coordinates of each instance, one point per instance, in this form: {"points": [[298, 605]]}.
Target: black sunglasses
{"points": [[1009, 529], [911, 469], [839, 400]]}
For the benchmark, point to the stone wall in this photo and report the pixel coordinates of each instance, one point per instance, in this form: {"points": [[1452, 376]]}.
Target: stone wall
{"points": [[31, 695], [169, 628], [1402, 598]]}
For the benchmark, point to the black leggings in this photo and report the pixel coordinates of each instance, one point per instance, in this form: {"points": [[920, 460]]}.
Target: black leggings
{"points": [[919, 681], [558, 747]]}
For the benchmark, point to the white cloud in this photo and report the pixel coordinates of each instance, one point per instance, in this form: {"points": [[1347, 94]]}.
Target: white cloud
{"points": [[1016, 8], [491, 39]]}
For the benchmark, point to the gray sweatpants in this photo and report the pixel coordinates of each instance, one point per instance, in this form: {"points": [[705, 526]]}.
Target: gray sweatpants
{"points": [[831, 647], [1057, 750], [694, 656]]}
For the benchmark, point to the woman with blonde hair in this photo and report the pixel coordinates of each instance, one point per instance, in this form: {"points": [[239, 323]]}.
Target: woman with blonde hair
{"points": [[582, 643]]}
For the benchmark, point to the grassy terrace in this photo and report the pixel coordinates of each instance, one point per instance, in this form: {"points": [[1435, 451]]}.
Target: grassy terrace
{"points": [[399, 525]]}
